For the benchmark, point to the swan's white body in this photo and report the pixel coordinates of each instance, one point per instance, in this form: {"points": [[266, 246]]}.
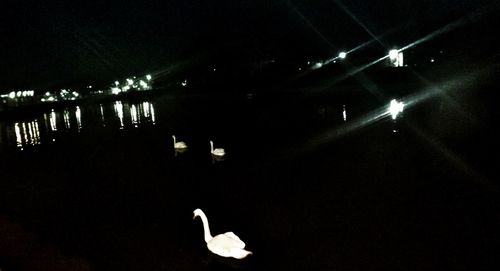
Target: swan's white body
{"points": [[225, 245], [217, 152], [179, 145]]}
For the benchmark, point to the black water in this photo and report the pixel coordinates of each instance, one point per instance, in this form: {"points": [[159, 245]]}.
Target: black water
{"points": [[99, 187]]}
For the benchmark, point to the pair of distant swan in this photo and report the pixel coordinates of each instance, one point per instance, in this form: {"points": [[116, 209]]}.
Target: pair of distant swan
{"points": [[226, 244], [181, 145]]}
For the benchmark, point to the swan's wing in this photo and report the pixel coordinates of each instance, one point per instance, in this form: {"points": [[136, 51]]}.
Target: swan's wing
{"points": [[237, 241]]}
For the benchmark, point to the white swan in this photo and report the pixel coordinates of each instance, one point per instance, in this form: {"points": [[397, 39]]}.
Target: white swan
{"points": [[216, 152], [225, 245], [179, 145]]}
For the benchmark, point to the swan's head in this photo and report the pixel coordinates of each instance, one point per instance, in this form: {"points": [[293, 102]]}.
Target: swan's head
{"points": [[197, 212]]}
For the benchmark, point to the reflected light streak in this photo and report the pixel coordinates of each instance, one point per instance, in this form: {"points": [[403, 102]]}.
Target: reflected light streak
{"points": [[352, 126], [52, 119], [344, 113], [27, 133], [134, 115], [119, 112], [19, 139], [343, 7], [145, 106], [67, 123], [153, 115], [78, 114], [102, 115], [309, 23]]}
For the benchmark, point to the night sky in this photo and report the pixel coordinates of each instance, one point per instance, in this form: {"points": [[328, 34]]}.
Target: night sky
{"points": [[51, 43]]}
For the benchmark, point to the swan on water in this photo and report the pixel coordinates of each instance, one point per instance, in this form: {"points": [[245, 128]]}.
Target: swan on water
{"points": [[225, 245], [216, 152], [179, 145]]}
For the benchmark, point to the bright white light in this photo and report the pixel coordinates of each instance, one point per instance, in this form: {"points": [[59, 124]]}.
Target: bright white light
{"points": [[342, 55], [47, 93], [117, 83], [12, 95], [116, 91], [75, 94], [400, 59], [19, 93], [130, 81], [395, 108], [393, 54], [125, 88], [318, 65], [148, 77], [432, 60], [89, 86], [344, 113], [143, 84], [51, 99], [184, 83], [396, 58]]}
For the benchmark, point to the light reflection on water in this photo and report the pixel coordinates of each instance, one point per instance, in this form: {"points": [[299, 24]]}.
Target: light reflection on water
{"points": [[47, 126]]}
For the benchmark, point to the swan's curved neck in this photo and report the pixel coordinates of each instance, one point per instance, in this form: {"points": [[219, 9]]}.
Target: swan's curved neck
{"points": [[174, 139], [211, 146], [206, 229]]}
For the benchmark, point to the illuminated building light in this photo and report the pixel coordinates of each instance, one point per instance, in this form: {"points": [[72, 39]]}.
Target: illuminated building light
{"points": [[148, 77], [395, 108], [12, 95], [342, 55], [116, 91], [396, 58], [130, 81], [184, 83], [19, 93], [117, 83]]}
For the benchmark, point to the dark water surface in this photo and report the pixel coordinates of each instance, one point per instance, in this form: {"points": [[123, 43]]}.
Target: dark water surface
{"points": [[100, 187]]}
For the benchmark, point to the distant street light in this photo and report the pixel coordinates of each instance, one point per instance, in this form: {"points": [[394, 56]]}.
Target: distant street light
{"points": [[342, 55]]}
